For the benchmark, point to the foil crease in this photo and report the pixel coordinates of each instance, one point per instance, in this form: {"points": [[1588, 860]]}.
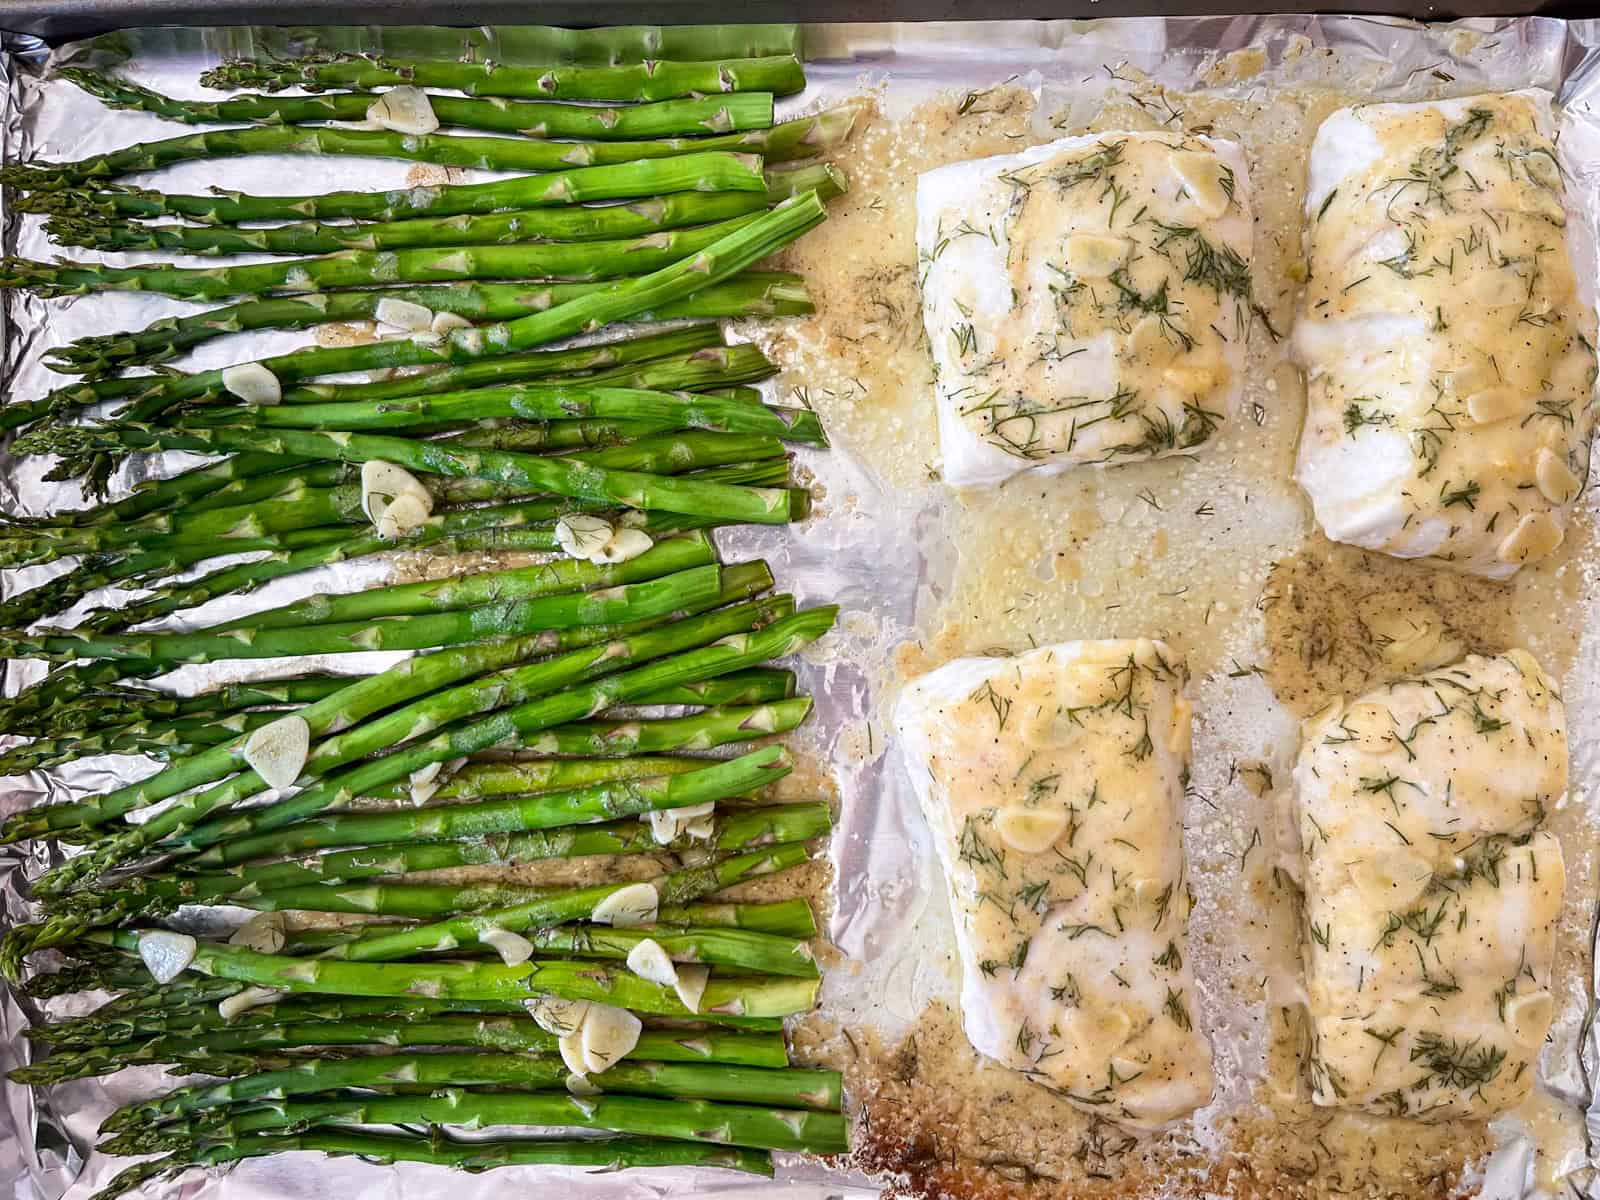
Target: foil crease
{"points": [[874, 555]]}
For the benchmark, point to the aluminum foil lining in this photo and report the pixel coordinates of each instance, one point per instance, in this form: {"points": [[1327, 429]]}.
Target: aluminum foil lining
{"points": [[875, 556]]}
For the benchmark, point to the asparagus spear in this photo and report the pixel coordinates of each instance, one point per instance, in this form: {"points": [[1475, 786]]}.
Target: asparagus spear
{"points": [[186, 489], [529, 401], [781, 75], [172, 1019], [766, 235], [540, 364], [692, 116], [746, 1066], [611, 1154], [130, 704], [364, 268], [574, 224], [557, 476], [301, 508], [641, 601], [456, 150], [684, 172], [462, 150], [743, 996], [698, 364], [736, 830], [787, 918], [162, 740], [752, 294], [512, 814], [572, 577], [732, 1124], [529, 45], [684, 885], [691, 370]]}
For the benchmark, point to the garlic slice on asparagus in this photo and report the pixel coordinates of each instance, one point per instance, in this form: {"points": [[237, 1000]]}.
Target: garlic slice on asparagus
{"points": [[556, 1015], [596, 540], [403, 314], [691, 985], [628, 906], [253, 383], [166, 954], [278, 751], [649, 961], [668, 824], [608, 1034], [513, 948], [394, 499], [250, 997], [404, 109]]}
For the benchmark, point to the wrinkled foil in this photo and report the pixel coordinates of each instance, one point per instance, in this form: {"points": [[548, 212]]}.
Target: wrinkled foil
{"points": [[877, 557]]}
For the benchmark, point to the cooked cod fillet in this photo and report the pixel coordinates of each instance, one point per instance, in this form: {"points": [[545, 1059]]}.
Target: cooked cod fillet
{"points": [[1086, 301], [1053, 782], [1446, 333], [1431, 894]]}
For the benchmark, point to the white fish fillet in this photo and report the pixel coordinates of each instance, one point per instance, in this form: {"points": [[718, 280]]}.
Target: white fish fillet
{"points": [[1053, 782], [1431, 894], [1086, 301], [1447, 341]]}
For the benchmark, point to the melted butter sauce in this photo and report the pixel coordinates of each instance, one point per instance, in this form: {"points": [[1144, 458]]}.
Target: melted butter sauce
{"points": [[1216, 555]]}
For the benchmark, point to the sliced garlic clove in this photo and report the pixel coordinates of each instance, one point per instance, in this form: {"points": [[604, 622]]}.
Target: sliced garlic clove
{"points": [[556, 1015], [1556, 481], [1534, 537], [623, 545], [251, 997], [513, 948], [382, 483], [1529, 1016], [1096, 256], [1030, 830], [1494, 404], [701, 828], [571, 1047], [649, 961], [166, 954], [425, 781], [635, 904], [668, 824], [278, 752], [405, 516], [583, 536], [582, 1085], [691, 985], [609, 1034], [446, 323], [1207, 180], [404, 109], [1391, 878], [265, 933], [253, 383], [403, 314]]}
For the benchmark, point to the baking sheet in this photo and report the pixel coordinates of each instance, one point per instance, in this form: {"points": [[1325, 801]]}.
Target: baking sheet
{"points": [[888, 543]]}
